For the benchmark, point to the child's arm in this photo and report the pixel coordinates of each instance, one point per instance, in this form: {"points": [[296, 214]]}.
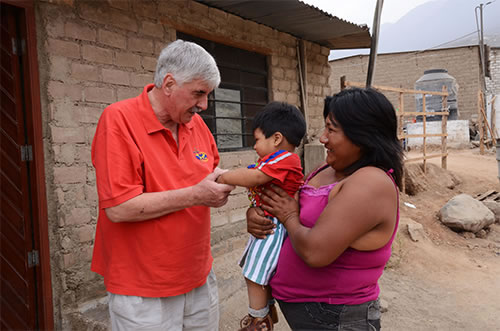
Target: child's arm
{"points": [[244, 177]]}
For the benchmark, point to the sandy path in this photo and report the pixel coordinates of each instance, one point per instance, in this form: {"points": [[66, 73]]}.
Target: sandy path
{"points": [[444, 282]]}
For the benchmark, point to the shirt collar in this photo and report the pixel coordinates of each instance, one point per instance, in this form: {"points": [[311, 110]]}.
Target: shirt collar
{"points": [[151, 122]]}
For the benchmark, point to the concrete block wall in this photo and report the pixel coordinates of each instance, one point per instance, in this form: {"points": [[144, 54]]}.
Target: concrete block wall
{"points": [[404, 69], [493, 82], [93, 53], [458, 133]]}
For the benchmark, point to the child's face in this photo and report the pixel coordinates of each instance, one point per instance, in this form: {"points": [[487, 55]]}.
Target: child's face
{"points": [[263, 145]]}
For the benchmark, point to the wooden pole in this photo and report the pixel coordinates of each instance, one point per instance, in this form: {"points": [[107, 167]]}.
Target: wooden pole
{"points": [[492, 134], [444, 129], [493, 115], [424, 131], [342, 83], [401, 115], [480, 123]]}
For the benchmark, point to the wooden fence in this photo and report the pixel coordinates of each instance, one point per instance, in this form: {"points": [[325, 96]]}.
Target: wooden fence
{"points": [[401, 114]]}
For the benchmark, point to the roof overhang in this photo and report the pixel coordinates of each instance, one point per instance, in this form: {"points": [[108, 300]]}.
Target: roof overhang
{"points": [[300, 20]]}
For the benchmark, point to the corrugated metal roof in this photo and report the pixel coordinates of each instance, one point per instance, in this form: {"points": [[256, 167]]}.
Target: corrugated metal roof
{"points": [[300, 20]]}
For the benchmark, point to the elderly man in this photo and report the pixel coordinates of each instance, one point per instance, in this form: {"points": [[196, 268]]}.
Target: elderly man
{"points": [[156, 165]]}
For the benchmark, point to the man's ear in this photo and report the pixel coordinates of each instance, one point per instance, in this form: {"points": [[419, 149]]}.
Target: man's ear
{"points": [[278, 138], [168, 83]]}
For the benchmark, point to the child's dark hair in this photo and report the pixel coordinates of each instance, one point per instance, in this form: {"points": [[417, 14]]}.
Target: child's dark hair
{"points": [[368, 119], [281, 117]]}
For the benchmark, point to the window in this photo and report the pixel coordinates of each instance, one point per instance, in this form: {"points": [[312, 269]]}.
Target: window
{"points": [[240, 96]]}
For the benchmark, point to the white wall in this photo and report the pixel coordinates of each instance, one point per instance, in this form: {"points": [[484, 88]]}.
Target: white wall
{"points": [[458, 133]]}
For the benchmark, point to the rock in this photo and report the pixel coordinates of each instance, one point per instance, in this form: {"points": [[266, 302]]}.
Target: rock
{"points": [[464, 213], [468, 235], [494, 234], [416, 231], [384, 306], [481, 234], [494, 207]]}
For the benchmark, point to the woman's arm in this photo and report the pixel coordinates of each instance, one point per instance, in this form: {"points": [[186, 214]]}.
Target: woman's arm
{"points": [[244, 177], [365, 203]]}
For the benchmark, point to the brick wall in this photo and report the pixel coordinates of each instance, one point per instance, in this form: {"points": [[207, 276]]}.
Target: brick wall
{"points": [[493, 82], [404, 69], [93, 53]]}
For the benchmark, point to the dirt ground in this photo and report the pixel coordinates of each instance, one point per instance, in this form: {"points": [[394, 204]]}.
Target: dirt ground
{"points": [[443, 281]]}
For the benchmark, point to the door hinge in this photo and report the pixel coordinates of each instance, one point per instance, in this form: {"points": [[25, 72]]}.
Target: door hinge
{"points": [[33, 259], [18, 46], [26, 153]]}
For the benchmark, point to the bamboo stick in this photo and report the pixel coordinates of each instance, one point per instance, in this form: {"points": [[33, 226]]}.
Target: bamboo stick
{"points": [[480, 123], [444, 128], [400, 133], [395, 89], [493, 115], [420, 135], [424, 131], [430, 156]]}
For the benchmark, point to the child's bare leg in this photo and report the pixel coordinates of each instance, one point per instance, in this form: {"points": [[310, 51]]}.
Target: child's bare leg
{"points": [[258, 295]]}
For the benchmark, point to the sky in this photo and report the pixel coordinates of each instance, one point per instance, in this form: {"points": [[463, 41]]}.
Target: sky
{"points": [[431, 31], [351, 11]]}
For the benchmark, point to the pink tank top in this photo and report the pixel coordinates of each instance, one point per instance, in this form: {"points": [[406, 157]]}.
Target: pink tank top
{"points": [[351, 279]]}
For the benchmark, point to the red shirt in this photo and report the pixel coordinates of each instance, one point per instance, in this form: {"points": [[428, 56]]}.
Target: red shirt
{"points": [[286, 170], [133, 153]]}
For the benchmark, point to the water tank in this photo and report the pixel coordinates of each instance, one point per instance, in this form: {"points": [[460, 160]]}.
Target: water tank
{"points": [[433, 80]]}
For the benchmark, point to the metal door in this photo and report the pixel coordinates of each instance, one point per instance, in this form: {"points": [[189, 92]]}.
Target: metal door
{"points": [[19, 259]]}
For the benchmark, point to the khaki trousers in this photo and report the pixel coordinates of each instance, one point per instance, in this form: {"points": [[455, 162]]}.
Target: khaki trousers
{"points": [[196, 310]]}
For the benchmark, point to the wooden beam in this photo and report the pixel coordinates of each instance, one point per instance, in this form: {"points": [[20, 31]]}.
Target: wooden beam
{"points": [[424, 131], [419, 113], [420, 135], [480, 122], [396, 89], [493, 115], [444, 128], [426, 157]]}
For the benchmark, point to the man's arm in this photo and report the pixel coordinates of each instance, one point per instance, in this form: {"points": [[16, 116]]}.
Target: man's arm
{"points": [[147, 206], [244, 177]]}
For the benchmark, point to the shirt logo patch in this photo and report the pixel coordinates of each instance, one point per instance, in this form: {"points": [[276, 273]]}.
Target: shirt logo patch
{"points": [[201, 156]]}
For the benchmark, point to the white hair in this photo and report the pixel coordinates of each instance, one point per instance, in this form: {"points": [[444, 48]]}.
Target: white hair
{"points": [[186, 61]]}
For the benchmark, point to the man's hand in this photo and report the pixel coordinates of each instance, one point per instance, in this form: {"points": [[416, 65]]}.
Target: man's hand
{"points": [[209, 193], [258, 224]]}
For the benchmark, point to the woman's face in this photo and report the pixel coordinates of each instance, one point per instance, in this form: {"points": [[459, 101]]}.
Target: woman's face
{"points": [[340, 151]]}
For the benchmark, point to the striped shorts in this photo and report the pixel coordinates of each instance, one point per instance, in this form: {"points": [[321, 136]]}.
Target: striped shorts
{"points": [[260, 257]]}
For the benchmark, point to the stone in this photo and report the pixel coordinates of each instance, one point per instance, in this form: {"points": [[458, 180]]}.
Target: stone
{"points": [[464, 213], [481, 234], [494, 207], [384, 306], [468, 235], [416, 231]]}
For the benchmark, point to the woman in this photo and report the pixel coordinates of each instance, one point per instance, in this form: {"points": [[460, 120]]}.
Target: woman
{"points": [[341, 230]]}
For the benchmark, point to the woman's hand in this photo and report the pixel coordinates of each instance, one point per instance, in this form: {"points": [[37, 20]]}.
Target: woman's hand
{"points": [[277, 202], [258, 224]]}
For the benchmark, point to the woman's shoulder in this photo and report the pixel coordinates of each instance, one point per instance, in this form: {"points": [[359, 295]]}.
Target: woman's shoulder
{"points": [[371, 177]]}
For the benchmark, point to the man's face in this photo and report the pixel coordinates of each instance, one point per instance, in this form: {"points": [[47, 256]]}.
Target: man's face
{"points": [[187, 100]]}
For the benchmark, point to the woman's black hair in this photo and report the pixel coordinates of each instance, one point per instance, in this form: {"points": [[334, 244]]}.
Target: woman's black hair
{"points": [[369, 121]]}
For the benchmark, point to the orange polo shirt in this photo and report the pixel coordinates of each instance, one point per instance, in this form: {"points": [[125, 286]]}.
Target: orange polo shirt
{"points": [[133, 153]]}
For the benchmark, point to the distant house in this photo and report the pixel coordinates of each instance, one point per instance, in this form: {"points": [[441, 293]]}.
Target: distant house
{"points": [[403, 69], [64, 61]]}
